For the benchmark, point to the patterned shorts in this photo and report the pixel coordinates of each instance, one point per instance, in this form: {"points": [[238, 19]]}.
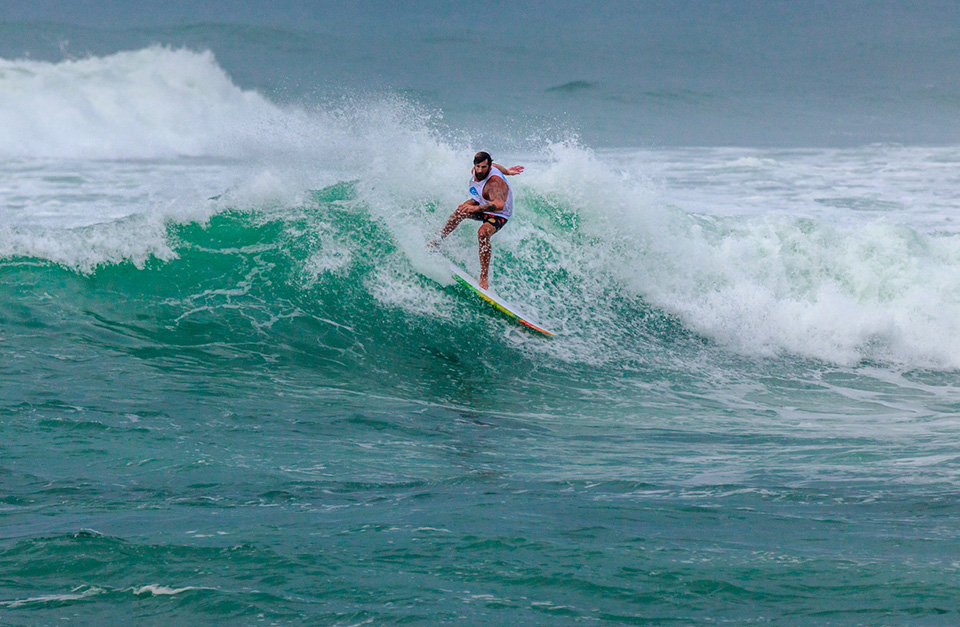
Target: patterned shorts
{"points": [[496, 221]]}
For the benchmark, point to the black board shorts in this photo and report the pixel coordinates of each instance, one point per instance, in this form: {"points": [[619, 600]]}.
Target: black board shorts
{"points": [[497, 221]]}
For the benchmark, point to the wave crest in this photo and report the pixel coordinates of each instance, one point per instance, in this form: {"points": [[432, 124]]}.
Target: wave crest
{"points": [[151, 103]]}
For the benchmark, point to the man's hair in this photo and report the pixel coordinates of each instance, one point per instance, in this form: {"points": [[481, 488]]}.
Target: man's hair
{"points": [[481, 156]]}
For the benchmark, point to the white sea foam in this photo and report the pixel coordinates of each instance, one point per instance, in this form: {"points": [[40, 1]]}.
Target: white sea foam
{"points": [[155, 102], [159, 590], [77, 594], [135, 240], [793, 273], [101, 153]]}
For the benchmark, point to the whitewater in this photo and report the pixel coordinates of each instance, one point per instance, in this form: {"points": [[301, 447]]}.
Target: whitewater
{"points": [[816, 254], [236, 389]]}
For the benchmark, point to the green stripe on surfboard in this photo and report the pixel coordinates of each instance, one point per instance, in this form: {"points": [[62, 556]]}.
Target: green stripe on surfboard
{"points": [[506, 308]]}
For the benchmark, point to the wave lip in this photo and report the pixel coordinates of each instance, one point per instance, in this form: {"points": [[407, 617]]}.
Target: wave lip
{"points": [[151, 103]]}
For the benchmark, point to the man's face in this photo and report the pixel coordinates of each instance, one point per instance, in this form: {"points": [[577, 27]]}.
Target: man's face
{"points": [[481, 170]]}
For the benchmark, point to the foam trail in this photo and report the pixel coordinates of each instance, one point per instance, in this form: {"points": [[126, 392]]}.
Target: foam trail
{"points": [[77, 594], [160, 590]]}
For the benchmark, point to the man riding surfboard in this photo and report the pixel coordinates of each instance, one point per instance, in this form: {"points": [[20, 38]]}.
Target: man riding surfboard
{"points": [[491, 202]]}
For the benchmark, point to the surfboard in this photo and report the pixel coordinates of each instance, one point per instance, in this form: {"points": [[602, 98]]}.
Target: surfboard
{"points": [[490, 297]]}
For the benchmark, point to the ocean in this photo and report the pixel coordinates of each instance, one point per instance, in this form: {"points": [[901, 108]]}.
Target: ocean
{"points": [[236, 389]]}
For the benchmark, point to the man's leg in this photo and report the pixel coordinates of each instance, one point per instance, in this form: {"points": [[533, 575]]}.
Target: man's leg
{"points": [[463, 212], [483, 235]]}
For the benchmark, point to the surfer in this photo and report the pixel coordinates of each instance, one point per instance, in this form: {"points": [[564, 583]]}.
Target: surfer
{"points": [[491, 202]]}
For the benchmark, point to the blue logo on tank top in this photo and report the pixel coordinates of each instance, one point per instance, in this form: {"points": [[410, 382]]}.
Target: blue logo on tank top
{"points": [[473, 190]]}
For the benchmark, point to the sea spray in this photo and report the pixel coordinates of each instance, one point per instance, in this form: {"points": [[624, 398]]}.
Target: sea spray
{"points": [[598, 243]]}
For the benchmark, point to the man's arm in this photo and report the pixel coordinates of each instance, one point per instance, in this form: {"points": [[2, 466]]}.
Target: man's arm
{"points": [[495, 191], [517, 169]]}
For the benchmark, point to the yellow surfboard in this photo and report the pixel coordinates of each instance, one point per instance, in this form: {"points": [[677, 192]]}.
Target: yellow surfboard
{"points": [[510, 310]]}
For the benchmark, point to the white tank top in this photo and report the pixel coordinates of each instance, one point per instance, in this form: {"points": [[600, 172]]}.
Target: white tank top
{"points": [[475, 188]]}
